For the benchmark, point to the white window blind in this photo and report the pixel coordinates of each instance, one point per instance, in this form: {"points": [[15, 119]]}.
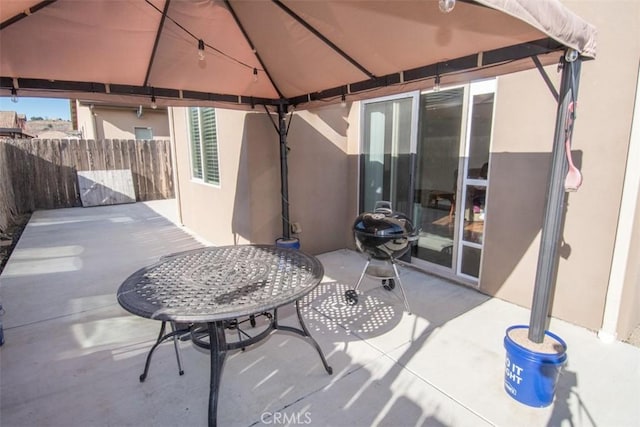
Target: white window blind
{"points": [[204, 144]]}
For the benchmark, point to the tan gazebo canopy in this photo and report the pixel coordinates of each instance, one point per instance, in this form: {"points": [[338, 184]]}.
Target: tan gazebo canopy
{"points": [[259, 51]]}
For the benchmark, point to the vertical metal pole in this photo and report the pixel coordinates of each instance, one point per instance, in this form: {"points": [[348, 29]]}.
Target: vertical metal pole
{"points": [[552, 225], [284, 180]]}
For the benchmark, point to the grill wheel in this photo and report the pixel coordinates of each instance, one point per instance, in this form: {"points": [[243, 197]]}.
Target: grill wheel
{"points": [[389, 284]]}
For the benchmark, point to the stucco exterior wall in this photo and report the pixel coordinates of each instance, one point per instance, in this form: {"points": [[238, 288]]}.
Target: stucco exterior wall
{"points": [[628, 243], [106, 122], [220, 214], [630, 301], [86, 125], [246, 207], [319, 180], [520, 163]]}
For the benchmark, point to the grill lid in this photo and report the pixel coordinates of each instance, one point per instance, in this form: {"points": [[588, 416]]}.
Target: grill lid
{"points": [[383, 234], [393, 224]]}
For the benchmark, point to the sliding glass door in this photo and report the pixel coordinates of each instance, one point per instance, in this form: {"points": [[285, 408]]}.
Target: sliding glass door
{"points": [[438, 163], [429, 154]]}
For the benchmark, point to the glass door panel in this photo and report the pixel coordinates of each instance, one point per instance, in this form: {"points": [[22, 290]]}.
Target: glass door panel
{"points": [[470, 261], [437, 165], [386, 153], [474, 214]]}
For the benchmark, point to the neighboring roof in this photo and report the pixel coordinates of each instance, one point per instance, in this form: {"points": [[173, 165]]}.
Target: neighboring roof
{"points": [[14, 133], [9, 119], [302, 51]]}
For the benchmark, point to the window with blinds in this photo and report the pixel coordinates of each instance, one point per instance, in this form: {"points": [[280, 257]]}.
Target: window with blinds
{"points": [[204, 145], [143, 133]]}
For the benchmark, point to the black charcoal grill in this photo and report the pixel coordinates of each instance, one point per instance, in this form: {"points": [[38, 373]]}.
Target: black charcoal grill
{"points": [[383, 235]]}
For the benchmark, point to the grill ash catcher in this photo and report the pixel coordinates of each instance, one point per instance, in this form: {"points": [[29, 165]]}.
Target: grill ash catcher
{"points": [[383, 235]]}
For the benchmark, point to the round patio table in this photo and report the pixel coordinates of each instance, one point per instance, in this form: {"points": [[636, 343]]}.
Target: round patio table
{"points": [[216, 286]]}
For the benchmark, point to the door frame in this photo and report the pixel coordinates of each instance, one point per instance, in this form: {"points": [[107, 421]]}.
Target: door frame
{"points": [[474, 88]]}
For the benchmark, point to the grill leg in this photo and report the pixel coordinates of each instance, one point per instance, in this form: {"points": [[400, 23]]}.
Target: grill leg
{"points": [[404, 296], [362, 275]]}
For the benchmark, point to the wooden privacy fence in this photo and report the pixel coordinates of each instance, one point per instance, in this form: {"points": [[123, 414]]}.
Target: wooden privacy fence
{"points": [[42, 174]]}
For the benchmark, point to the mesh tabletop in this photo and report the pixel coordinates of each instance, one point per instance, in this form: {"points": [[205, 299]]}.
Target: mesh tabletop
{"points": [[210, 284]]}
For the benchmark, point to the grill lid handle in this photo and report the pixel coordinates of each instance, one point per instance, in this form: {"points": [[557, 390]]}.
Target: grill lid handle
{"points": [[382, 206]]}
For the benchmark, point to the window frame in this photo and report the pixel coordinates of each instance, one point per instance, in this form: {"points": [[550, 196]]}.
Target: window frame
{"points": [[204, 154]]}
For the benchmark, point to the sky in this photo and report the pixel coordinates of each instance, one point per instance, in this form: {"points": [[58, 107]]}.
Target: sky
{"points": [[38, 107]]}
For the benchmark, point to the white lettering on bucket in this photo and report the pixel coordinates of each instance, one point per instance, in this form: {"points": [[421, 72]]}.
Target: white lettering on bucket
{"points": [[513, 371], [510, 388]]}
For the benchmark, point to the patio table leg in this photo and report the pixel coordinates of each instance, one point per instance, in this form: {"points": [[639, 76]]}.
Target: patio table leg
{"points": [[175, 334], [304, 332], [218, 352], [147, 362], [327, 368]]}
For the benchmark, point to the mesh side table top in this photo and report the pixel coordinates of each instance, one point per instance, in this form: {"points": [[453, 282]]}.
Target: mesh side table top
{"points": [[220, 283]]}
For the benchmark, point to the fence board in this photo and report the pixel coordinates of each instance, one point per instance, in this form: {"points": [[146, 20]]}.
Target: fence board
{"points": [[101, 154], [164, 185], [141, 161], [80, 155], [8, 208], [42, 174], [153, 166], [117, 154], [68, 172], [33, 177], [133, 161]]}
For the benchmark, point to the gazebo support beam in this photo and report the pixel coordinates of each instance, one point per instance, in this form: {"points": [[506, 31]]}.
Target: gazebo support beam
{"points": [[548, 257], [284, 180]]}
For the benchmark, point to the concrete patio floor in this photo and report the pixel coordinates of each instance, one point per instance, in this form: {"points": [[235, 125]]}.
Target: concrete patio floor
{"points": [[72, 355]]}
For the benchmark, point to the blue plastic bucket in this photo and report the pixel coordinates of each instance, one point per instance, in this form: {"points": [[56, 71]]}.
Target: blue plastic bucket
{"points": [[292, 243], [530, 376]]}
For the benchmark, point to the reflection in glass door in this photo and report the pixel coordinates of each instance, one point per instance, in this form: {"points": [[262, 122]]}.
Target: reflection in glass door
{"points": [[437, 165], [452, 164], [388, 129]]}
